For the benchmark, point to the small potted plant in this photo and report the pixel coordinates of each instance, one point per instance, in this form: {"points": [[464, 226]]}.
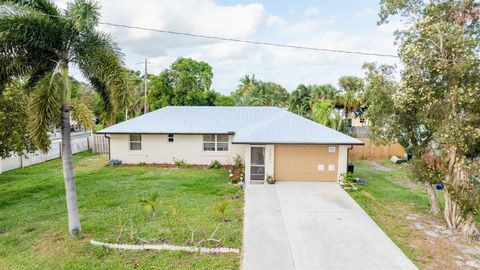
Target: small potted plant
{"points": [[347, 181], [271, 180]]}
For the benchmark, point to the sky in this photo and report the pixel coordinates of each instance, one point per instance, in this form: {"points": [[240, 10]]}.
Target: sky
{"points": [[332, 24]]}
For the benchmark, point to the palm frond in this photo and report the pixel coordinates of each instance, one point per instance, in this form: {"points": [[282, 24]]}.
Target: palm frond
{"points": [[84, 15], [100, 60], [29, 45], [42, 6], [83, 116], [107, 109], [45, 104]]}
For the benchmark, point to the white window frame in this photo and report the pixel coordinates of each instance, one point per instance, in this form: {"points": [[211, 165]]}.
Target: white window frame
{"points": [[136, 142], [216, 142]]}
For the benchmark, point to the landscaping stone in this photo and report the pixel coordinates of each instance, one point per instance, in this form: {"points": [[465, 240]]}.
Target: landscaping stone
{"points": [[473, 264], [165, 247], [419, 226], [431, 233]]}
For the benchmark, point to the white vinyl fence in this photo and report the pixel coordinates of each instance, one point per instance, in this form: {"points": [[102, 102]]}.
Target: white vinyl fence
{"points": [[80, 142]]}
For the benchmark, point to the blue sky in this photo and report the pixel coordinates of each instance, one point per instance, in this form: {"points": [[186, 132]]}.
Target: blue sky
{"points": [[340, 24]]}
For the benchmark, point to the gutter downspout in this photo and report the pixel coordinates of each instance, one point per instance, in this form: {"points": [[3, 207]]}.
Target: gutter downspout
{"points": [[109, 152], [348, 154]]}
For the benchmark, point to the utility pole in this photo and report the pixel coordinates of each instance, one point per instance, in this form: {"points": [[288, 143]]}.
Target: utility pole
{"points": [[145, 79], [145, 109]]}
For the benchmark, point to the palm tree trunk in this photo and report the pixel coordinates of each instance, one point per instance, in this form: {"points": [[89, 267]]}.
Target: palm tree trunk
{"points": [[68, 175]]}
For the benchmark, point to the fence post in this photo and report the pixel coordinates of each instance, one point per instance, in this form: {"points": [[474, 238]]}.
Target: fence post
{"points": [[1, 165]]}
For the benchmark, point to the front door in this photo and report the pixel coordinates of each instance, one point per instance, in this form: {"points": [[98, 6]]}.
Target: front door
{"points": [[257, 163]]}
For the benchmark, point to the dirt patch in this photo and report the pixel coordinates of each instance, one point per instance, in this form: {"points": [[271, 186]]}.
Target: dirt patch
{"points": [[445, 248], [50, 244], [379, 167], [56, 243], [406, 183]]}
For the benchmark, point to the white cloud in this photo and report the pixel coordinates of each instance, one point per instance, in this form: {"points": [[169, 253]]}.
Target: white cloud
{"points": [[366, 12], [311, 11], [196, 17], [230, 61], [275, 21]]}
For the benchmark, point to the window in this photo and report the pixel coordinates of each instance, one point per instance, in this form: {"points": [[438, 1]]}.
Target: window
{"points": [[215, 142], [170, 137], [332, 149], [135, 142], [331, 167]]}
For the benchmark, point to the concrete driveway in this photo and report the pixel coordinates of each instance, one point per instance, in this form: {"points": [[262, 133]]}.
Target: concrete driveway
{"points": [[300, 225]]}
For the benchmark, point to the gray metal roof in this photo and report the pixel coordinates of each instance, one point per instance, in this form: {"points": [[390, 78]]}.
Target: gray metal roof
{"points": [[248, 124]]}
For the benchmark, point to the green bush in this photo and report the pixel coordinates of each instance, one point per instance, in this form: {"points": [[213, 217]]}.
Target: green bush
{"points": [[180, 163], [215, 164]]}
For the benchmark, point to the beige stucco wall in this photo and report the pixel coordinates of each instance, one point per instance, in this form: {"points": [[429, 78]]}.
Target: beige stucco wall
{"points": [[157, 149]]}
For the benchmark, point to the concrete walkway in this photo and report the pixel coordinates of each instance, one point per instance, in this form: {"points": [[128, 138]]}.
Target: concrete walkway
{"points": [[300, 225]]}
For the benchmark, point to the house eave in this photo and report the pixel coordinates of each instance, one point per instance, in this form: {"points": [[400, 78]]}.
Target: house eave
{"points": [[301, 143]]}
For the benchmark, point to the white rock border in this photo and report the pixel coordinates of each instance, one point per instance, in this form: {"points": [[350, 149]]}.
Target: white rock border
{"points": [[165, 247]]}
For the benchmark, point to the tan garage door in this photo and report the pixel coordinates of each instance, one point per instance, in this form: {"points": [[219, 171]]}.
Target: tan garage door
{"points": [[306, 162]]}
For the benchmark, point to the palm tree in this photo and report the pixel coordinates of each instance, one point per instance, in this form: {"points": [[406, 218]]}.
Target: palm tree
{"points": [[38, 43], [300, 101], [351, 87]]}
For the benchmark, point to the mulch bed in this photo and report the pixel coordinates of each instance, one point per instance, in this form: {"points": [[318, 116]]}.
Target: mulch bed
{"points": [[173, 166]]}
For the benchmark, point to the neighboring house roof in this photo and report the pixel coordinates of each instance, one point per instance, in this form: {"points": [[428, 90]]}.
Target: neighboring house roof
{"points": [[248, 124]]}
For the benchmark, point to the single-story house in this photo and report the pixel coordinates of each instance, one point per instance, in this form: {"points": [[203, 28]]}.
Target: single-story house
{"points": [[272, 141]]}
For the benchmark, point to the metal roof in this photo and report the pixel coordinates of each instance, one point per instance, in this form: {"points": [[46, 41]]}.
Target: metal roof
{"points": [[248, 124]]}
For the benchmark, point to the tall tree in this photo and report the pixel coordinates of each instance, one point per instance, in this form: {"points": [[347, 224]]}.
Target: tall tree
{"points": [[13, 120], [438, 99], [323, 112], [186, 82], [253, 92], [40, 42], [351, 88], [323, 92], [305, 98], [300, 101]]}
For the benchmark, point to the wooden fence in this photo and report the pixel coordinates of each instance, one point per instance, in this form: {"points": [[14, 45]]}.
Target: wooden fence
{"points": [[372, 151], [358, 132], [99, 144]]}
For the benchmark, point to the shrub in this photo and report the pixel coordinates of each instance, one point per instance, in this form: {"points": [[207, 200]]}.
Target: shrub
{"points": [[215, 164], [115, 162], [180, 163], [347, 181], [348, 178], [238, 169]]}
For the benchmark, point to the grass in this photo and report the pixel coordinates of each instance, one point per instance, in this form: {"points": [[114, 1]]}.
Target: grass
{"points": [[33, 219], [388, 203]]}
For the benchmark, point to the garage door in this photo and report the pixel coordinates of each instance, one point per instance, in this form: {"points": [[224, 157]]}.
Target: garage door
{"points": [[306, 162]]}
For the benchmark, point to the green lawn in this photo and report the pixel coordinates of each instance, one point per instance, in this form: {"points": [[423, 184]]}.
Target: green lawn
{"points": [[33, 218]]}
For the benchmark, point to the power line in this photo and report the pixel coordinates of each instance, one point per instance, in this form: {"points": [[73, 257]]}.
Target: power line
{"points": [[249, 41], [298, 47]]}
